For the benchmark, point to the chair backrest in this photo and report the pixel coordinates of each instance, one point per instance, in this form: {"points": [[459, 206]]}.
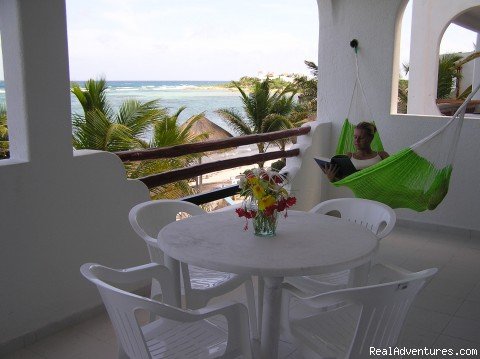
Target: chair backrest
{"points": [[375, 216], [383, 311], [121, 305], [148, 218]]}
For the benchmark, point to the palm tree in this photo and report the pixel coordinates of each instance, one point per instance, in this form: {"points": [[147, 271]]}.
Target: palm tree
{"points": [[265, 111], [307, 88], [100, 128], [167, 132], [402, 96], [448, 74], [4, 145]]}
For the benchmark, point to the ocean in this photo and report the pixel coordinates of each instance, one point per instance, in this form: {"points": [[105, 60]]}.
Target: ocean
{"points": [[196, 96]]}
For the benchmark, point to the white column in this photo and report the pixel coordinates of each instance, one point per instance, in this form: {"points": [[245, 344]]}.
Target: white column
{"points": [[34, 44]]}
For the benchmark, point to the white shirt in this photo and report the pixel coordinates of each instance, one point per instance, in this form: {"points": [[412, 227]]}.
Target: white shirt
{"points": [[361, 164]]}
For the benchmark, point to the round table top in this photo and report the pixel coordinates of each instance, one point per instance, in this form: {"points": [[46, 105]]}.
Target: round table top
{"points": [[305, 244]]}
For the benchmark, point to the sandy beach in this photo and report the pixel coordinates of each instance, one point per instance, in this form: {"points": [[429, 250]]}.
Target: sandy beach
{"points": [[229, 176]]}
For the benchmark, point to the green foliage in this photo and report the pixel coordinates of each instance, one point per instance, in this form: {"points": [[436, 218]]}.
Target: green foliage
{"points": [[167, 132], [99, 128], [248, 83], [4, 144], [307, 88], [266, 111], [448, 75], [402, 96], [278, 165]]}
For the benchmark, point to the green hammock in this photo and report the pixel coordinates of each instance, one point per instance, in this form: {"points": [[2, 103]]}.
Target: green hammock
{"points": [[417, 177]]}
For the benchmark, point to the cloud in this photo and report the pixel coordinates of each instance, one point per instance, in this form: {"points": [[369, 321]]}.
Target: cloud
{"points": [[154, 40]]}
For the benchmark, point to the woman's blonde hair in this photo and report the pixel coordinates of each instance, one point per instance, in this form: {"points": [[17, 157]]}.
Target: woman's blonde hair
{"points": [[368, 127]]}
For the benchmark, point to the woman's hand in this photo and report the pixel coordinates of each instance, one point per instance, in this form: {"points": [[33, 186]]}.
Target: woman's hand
{"points": [[331, 171]]}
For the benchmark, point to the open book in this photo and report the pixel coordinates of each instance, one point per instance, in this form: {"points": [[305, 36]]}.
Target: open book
{"points": [[343, 162]]}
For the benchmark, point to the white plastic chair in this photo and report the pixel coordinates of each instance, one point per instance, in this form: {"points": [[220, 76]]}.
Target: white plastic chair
{"points": [[199, 284], [347, 322], [375, 216], [177, 333]]}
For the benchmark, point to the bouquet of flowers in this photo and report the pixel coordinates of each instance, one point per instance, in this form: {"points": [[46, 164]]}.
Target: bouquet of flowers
{"points": [[265, 196]]}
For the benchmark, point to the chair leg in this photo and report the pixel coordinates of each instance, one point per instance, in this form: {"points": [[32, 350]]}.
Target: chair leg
{"points": [[250, 293], [261, 285]]}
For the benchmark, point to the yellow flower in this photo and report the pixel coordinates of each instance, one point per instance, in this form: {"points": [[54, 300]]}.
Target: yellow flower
{"points": [[266, 202], [283, 192], [252, 181], [258, 191]]}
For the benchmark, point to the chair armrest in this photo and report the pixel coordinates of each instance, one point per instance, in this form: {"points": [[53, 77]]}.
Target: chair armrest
{"points": [[238, 325], [388, 228], [223, 288], [381, 273], [312, 286], [145, 272], [332, 299], [235, 313]]}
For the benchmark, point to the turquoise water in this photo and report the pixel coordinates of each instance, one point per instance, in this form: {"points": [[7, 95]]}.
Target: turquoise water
{"points": [[197, 96]]}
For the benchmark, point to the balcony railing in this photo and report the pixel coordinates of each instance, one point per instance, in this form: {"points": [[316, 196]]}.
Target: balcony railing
{"points": [[201, 169]]}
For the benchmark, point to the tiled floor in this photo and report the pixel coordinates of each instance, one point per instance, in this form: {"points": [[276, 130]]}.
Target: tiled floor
{"points": [[446, 314]]}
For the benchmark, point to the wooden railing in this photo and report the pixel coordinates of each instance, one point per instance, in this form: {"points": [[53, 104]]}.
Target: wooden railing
{"points": [[201, 169]]}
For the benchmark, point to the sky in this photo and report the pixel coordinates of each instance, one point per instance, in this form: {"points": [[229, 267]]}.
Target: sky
{"points": [[203, 39], [190, 39]]}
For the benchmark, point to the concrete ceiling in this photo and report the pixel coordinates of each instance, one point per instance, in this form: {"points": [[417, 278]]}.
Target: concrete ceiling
{"points": [[469, 20]]}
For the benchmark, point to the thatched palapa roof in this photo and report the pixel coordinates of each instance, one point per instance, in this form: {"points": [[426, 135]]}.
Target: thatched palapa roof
{"points": [[215, 132]]}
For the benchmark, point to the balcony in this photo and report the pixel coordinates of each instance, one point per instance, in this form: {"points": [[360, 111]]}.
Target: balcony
{"points": [[60, 210], [446, 314]]}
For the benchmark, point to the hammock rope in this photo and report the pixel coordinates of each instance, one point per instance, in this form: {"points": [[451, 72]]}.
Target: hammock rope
{"points": [[416, 177]]}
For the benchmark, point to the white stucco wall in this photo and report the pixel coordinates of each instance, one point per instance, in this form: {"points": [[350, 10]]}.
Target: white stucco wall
{"points": [[58, 210], [431, 20], [375, 24], [306, 182]]}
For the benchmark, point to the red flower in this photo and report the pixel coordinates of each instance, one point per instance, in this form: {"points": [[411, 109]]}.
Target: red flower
{"points": [[291, 201], [241, 212], [269, 210], [282, 204], [277, 179]]}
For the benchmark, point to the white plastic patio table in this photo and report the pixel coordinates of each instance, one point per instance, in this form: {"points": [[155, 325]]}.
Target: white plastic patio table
{"points": [[305, 244]]}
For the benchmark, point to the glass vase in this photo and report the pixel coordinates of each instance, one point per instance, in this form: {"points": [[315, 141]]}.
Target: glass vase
{"points": [[263, 225]]}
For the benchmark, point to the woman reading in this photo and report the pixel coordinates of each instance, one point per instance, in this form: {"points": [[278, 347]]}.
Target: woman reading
{"points": [[364, 156]]}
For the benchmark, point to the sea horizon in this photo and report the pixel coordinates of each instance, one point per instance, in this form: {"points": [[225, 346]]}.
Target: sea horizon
{"points": [[197, 96]]}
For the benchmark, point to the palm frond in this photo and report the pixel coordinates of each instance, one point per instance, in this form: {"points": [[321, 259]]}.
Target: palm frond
{"points": [[138, 117], [94, 96], [235, 121], [275, 122], [312, 66]]}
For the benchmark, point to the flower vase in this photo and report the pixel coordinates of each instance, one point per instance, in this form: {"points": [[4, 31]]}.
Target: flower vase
{"points": [[265, 226]]}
